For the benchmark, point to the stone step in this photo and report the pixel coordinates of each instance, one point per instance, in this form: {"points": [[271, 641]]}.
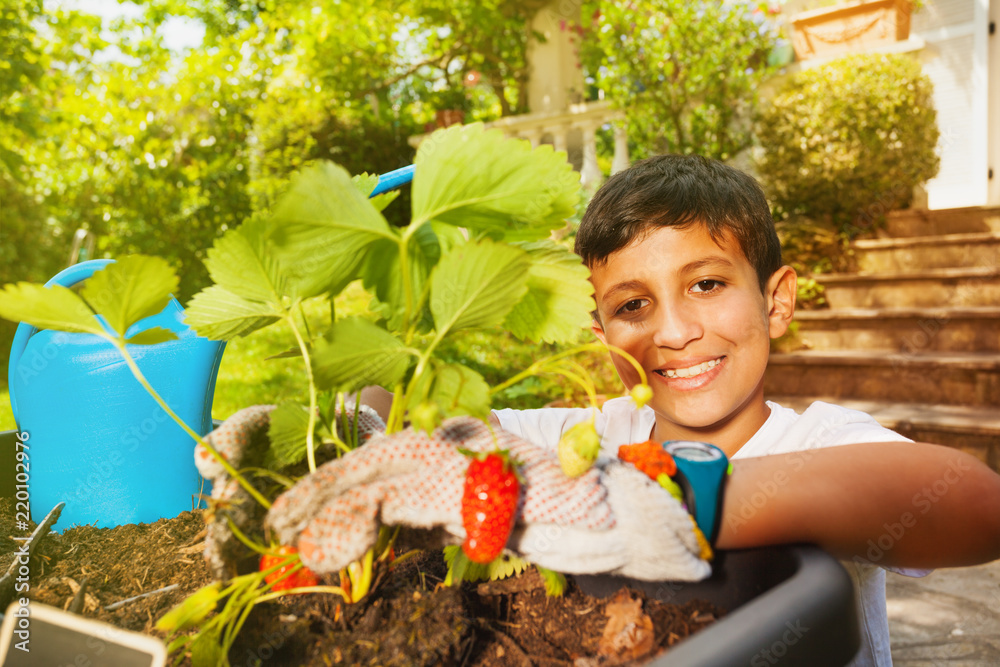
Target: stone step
{"points": [[948, 378], [911, 222], [905, 330], [961, 287], [975, 430], [928, 252]]}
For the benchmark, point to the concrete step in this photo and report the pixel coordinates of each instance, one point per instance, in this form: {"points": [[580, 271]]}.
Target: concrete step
{"points": [[911, 222], [927, 252], [975, 430], [947, 378], [961, 287], [907, 330]]}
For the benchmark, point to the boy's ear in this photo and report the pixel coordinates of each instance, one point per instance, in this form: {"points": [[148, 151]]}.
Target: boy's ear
{"points": [[595, 326], [781, 292]]}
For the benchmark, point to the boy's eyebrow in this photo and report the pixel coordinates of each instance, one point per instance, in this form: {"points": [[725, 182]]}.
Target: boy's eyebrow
{"points": [[706, 262], [625, 286]]}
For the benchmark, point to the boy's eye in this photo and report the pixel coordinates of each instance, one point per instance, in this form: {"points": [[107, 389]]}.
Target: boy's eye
{"points": [[631, 306], [706, 285]]}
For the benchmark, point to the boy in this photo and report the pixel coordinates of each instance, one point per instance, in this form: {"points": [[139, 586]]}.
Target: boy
{"points": [[688, 279]]}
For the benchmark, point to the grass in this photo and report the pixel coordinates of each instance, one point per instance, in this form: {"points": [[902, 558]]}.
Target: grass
{"points": [[247, 376]]}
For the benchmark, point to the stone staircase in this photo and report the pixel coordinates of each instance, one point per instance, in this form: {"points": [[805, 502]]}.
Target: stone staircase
{"points": [[912, 338]]}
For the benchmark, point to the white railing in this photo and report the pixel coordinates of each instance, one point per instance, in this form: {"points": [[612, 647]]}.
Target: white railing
{"points": [[574, 128]]}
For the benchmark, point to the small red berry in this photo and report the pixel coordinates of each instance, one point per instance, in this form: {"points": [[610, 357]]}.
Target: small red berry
{"points": [[301, 577], [489, 504]]}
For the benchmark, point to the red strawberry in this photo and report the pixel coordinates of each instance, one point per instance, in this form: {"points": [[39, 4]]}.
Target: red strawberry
{"points": [[299, 578], [489, 501]]}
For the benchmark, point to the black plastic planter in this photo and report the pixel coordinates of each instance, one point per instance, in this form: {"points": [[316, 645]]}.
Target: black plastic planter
{"points": [[787, 606]]}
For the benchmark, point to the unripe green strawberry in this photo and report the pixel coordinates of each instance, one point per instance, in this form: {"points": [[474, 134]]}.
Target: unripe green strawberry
{"points": [[425, 417], [578, 448], [641, 394], [489, 504]]}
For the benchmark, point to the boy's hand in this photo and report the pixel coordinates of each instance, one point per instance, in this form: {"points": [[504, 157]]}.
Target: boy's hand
{"points": [[613, 519], [242, 440]]}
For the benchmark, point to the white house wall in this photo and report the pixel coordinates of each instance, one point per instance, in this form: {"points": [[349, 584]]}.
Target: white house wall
{"points": [[955, 58]]}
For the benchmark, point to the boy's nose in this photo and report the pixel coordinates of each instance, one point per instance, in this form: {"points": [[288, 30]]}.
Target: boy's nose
{"points": [[676, 326]]}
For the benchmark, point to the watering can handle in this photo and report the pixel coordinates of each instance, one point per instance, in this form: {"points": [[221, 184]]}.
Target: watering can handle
{"points": [[67, 278], [78, 272], [393, 179]]}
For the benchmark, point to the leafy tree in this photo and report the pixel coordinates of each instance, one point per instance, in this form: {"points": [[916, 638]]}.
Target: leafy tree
{"points": [[38, 50], [686, 72], [489, 37], [843, 143]]}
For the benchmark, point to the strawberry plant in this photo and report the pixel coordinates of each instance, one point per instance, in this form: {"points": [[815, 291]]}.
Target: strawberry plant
{"points": [[475, 254]]}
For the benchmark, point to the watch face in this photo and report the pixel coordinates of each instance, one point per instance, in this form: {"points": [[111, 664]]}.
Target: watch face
{"points": [[693, 453]]}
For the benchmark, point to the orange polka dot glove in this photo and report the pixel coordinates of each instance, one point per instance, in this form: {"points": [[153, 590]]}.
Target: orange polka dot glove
{"points": [[611, 519], [242, 440]]}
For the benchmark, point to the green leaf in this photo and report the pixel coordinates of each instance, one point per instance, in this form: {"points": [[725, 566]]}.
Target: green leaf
{"points": [[461, 568], [558, 303], [484, 182], [365, 183], [287, 433], [555, 582], [505, 565], [357, 353], [381, 201], [456, 389], [323, 227], [241, 262], [192, 610], [130, 289], [218, 314], [207, 649], [57, 308], [152, 336], [477, 284], [382, 274]]}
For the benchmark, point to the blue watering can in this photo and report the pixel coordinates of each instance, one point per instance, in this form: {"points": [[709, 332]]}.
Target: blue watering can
{"points": [[96, 439]]}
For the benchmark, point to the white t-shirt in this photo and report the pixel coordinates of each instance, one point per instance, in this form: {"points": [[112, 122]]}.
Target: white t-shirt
{"points": [[820, 425]]}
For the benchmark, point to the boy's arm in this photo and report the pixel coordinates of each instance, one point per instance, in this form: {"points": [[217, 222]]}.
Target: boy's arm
{"points": [[378, 399], [898, 504]]}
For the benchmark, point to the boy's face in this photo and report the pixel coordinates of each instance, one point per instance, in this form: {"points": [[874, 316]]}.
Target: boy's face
{"points": [[692, 313]]}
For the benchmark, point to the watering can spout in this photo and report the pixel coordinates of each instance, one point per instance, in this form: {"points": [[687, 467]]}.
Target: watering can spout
{"points": [[99, 442]]}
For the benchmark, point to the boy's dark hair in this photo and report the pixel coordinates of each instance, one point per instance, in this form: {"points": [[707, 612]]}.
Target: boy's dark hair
{"points": [[679, 191]]}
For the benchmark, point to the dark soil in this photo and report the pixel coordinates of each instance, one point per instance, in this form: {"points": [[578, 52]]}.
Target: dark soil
{"points": [[409, 619]]}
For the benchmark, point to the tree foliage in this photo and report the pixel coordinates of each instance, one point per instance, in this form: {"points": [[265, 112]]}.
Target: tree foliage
{"points": [[686, 72], [157, 151], [845, 142]]}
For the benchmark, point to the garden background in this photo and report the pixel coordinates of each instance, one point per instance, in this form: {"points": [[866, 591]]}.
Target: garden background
{"points": [[118, 138]]}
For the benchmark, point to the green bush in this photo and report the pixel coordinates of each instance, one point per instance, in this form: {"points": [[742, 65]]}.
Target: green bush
{"points": [[846, 142]]}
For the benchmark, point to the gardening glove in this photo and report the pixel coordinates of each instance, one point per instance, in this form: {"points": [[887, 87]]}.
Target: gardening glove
{"points": [[612, 519], [242, 440]]}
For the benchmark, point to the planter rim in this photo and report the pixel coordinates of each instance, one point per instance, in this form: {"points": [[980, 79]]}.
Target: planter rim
{"points": [[822, 12]]}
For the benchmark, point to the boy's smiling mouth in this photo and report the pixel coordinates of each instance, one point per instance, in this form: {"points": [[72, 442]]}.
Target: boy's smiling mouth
{"points": [[690, 371]]}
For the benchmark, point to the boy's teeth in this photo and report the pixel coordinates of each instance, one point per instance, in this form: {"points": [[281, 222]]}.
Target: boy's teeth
{"points": [[690, 372]]}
